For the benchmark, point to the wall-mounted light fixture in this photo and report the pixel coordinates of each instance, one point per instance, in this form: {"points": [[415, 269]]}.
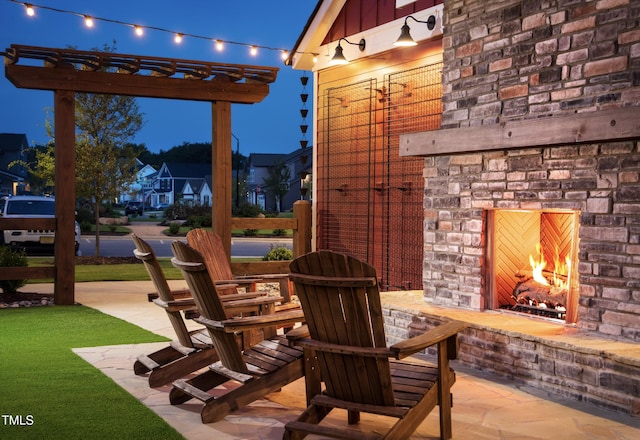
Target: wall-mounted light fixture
{"points": [[338, 57], [405, 38]]}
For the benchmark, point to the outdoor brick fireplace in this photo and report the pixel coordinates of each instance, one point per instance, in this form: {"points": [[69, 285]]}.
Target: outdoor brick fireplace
{"points": [[595, 184]]}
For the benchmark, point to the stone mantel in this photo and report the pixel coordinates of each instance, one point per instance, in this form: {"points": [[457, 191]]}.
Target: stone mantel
{"points": [[598, 126]]}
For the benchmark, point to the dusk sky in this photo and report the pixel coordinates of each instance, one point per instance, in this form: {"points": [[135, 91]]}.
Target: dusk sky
{"points": [[271, 126]]}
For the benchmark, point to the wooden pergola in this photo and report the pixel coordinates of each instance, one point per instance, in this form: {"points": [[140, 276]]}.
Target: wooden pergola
{"points": [[67, 71]]}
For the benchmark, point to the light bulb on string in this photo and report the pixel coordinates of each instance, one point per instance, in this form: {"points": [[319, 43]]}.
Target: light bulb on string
{"points": [[90, 22]]}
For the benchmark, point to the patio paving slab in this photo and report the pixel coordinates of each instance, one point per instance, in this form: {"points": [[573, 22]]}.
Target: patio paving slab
{"points": [[485, 407]]}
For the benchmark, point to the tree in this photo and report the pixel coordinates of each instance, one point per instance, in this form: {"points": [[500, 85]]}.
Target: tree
{"points": [[105, 158], [105, 124], [277, 183]]}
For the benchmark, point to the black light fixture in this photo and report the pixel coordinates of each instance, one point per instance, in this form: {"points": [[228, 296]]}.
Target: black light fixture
{"points": [[338, 57], [405, 38]]}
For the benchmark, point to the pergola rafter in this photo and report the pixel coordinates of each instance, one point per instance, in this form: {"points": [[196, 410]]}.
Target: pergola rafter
{"points": [[67, 71]]}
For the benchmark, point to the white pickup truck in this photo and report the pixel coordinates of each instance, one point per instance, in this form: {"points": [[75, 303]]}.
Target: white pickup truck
{"points": [[31, 207]]}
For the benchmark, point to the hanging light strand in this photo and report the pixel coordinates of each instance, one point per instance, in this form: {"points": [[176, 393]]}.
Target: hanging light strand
{"points": [[139, 28]]}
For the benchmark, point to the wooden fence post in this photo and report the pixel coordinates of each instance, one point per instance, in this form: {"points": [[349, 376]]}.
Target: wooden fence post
{"points": [[302, 234]]}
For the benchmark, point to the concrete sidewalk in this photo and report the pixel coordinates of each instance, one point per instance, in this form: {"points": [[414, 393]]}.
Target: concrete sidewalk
{"points": [[485, 407]]}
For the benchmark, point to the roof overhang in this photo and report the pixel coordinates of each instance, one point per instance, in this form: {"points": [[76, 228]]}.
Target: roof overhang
{"points": [[379, 39]]}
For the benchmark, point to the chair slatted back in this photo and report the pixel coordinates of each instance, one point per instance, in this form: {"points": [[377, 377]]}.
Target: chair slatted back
{"points": [[210, 246], [204, 292], [341, 303], [144, 252]]}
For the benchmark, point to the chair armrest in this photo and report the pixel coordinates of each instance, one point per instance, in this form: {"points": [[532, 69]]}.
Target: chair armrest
{"points": [[326, 347], [255, 322], [263, 305], [240, 296], [182, 293], [447, 331], [262, 277], [176, 305], [297, 334]]}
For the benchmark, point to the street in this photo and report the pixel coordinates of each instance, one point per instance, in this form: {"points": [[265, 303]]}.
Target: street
{"points": [[123, 246]]}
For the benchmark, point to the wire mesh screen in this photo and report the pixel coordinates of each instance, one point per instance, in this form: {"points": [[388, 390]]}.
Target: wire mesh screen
{"points": [[344, 168], [369, 200], [413, 104]]}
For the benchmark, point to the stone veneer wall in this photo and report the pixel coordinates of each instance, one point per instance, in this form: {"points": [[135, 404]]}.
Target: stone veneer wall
{"points": [[507, 60], [558, 368], [602, 181]]}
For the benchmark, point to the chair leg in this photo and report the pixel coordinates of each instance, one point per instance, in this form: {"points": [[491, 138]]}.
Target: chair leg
{"points": [[181, 367]]}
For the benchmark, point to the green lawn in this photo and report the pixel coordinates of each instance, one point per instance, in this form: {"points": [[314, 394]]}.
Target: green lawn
{"points": [[56, 393]]}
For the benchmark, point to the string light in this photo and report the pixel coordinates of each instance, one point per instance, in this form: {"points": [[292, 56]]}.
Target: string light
{"points": [[284, 55], [139, 30]]}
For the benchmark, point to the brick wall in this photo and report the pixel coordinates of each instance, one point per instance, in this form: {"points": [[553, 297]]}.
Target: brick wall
{"points": [[528, 59], [576, 373]]}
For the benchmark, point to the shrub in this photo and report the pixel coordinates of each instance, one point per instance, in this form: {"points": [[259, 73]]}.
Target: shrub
{"points": [[248, 210], [278, 253], [198, 221], [250, 232], [12, 258], [279, 232], [174, 228], [85, 226]]}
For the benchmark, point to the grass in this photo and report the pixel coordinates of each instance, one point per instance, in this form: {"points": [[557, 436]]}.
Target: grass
{"points": [[64, 396], [110, 272]]}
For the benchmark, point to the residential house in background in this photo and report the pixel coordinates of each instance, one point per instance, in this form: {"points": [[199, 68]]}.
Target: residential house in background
{"points": [[299, 164], [184, 182], [142, 188], [13, 146], [258, 166]]}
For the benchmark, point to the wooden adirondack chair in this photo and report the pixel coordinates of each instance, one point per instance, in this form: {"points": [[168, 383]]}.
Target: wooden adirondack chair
{"points": [[341, 303], [248, 374], [210, 246], [192, 350]]}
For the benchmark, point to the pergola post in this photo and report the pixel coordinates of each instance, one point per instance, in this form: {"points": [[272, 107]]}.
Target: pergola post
{"points": [[65, 183], [221, 166]]}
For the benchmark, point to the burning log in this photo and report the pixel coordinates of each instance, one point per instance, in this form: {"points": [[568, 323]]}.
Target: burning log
{"points": [[530, 292]]}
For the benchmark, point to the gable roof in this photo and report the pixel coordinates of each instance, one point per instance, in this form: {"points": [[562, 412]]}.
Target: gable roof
{"points": [[187, 170], [378, 22], [13, 142]]}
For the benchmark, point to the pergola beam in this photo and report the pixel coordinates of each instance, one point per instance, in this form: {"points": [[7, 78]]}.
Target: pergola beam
{"points": [[144, 86]]}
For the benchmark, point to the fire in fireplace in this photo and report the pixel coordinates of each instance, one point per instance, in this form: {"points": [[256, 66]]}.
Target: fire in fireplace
{"points": [[531, 254]]}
